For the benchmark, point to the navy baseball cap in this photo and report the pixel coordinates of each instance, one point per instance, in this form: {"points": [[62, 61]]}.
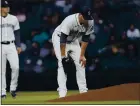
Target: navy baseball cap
{"points": [[4, 3], [87, 13]]}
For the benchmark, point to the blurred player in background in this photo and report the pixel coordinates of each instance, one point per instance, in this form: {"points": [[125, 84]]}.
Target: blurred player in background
{"points": [[10, 34]]}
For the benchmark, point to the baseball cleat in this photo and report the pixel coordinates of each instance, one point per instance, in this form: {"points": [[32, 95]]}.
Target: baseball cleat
{"points": [[3, 96], [13, 94]]}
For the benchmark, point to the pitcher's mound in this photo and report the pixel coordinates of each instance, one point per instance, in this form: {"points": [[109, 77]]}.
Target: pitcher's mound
{"points": [[118, 92]]}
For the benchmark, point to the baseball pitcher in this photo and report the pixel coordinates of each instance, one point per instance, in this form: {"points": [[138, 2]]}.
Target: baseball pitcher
{"points": [[9, 34], [65, 39]]}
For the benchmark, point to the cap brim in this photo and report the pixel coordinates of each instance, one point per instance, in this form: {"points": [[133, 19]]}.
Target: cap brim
{"points": [[88, 18], [5, 6]]}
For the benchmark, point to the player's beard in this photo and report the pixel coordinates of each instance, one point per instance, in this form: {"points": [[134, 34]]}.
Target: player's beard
{"points": [[85, 23], [8, 10]]}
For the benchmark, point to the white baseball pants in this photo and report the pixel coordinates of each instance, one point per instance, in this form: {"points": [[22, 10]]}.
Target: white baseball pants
{"points": [[61, 77], [9, 52]]}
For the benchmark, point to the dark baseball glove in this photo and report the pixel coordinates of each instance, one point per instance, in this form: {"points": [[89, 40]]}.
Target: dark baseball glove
{"points": [[68, 63]]}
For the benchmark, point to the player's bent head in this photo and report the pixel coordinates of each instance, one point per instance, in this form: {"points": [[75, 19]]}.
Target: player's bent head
{"points": [[5, 6], [87, 13], [82, 20]]}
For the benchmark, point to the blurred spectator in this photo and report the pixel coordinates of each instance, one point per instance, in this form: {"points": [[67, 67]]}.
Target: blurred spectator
{"points": [[113, 37], [38, 68], [92, 38], [98, 3], [60, 3], [55, 20], [92, 67], [137, 2], [28, 65], [35, 49], [133, 43], [45, 50], [23, 47], [65, 4], [28, 44], [133, 33], [75, 8], [41, 37], [96, 65], [35, 32], [50, 22], [21, 15], [138, 14], [124, 36]]}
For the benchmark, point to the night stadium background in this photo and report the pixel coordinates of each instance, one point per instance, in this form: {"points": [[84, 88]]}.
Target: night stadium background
{"points": [[105, 66]]}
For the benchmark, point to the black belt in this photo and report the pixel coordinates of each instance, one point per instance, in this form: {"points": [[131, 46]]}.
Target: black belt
{"points": [[7, 42]]}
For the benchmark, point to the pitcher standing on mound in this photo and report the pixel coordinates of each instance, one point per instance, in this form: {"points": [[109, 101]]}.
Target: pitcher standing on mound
{"points": [[65, 38]]}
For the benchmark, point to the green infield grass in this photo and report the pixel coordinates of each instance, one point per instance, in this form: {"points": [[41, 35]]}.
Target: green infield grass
{"points": [[43, 97]]}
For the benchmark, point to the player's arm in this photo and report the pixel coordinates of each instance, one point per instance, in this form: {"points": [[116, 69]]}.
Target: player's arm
{"points": [[65, 30], [84, 44], [85, 40], [17, 35]]}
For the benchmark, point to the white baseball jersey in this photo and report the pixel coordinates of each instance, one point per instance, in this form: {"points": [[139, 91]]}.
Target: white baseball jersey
{"points": [[71, 27], [133, 34], [8, 25]]}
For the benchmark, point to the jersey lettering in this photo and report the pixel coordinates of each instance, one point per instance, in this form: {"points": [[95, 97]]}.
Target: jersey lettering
{"points": [[7, 25]]}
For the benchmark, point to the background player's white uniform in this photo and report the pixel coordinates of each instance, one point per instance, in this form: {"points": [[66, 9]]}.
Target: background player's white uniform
{"points": [[8, 51], [71, 27]]}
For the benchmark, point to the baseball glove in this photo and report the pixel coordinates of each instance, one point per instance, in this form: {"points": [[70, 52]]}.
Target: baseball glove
{"points": [[68, 63]]}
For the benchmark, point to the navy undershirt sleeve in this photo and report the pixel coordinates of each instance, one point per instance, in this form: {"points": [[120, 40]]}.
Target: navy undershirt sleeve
{"points": [[17, 37], [63, 38], [85, 38]]}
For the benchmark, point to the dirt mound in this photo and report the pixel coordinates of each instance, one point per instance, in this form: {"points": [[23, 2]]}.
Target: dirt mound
{"points": [[118, 92]]}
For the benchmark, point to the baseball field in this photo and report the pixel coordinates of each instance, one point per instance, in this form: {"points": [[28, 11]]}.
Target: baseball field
{"points": [[120, 94]]}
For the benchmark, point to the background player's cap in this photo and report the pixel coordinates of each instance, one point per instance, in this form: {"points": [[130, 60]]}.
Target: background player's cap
{"points": [[4, 3], [87, 13]]}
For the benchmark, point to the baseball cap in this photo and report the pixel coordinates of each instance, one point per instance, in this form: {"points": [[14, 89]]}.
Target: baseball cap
{"points": [[87, 13], [4, 3]]}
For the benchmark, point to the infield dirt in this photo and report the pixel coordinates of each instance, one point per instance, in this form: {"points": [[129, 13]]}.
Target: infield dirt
{"points": [[113, 93]]}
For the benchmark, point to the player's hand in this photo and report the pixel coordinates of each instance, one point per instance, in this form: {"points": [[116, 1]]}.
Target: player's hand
{"points": [[19, 50], [83, 61]]}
